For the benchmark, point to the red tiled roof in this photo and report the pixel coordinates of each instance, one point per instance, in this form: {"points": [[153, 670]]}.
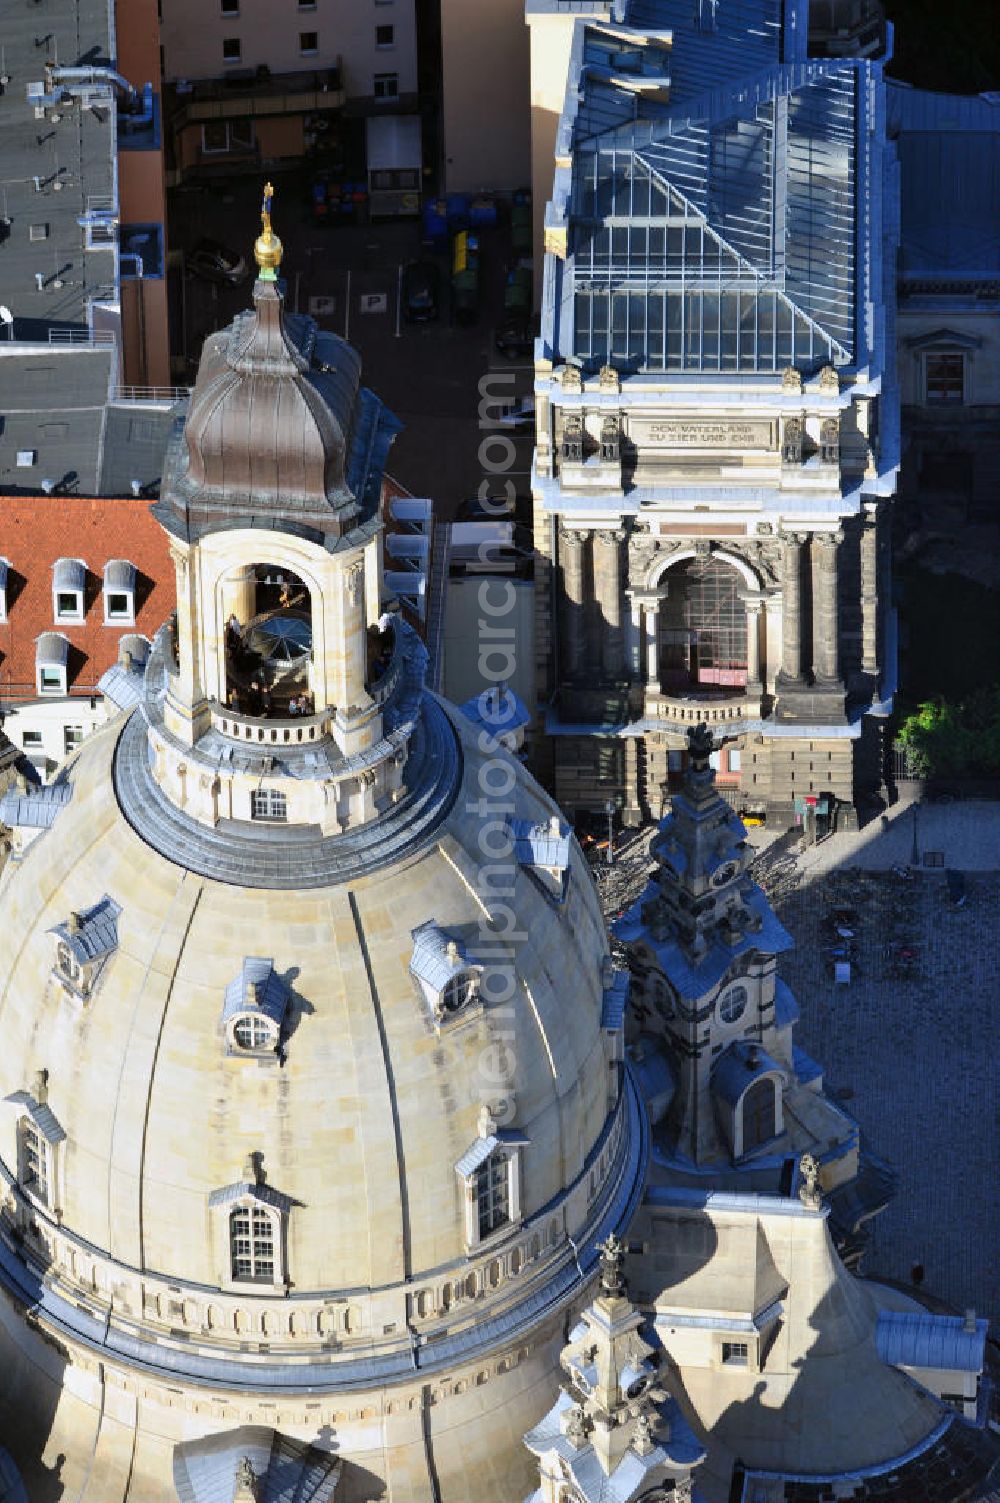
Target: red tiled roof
{"points": [[35, 531]]}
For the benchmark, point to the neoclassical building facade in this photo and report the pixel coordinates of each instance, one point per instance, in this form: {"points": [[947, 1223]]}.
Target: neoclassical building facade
{"points": [[716, 411]]}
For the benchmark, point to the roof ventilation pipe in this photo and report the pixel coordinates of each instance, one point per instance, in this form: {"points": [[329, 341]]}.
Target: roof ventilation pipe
{"points": [[55, 74]]}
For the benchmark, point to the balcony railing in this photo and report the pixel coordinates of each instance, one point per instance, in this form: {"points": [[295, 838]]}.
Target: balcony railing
{"points": [[684, 709], [260, 730]]}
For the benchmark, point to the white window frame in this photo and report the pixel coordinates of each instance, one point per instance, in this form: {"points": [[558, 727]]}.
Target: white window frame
{"points": [[127, 618], [381, 78], [4, 572], [70, 745], [510, 1145], [27, 1128], [253, 1201], [308, 51], [229, 14], [256, 1214], [268, 797], [77, 614], [257, 1020], [228, 61], [385, 46], [56, 674]]}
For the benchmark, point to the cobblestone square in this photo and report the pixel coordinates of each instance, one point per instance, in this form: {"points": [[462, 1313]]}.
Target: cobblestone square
{"points": [[909, 1046]]}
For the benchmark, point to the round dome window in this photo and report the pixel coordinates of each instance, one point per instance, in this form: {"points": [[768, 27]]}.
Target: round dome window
{"points": [[252, 1033], [458, 992], [732, 1004]]}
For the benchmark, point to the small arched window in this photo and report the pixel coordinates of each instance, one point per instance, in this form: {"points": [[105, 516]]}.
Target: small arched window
{"points": [[759, 1116], [252, 1245], [458, 992]]}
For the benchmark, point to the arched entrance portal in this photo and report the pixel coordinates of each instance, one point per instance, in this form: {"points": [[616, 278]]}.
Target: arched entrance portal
{"points": [[268, 636], [702, 627]]}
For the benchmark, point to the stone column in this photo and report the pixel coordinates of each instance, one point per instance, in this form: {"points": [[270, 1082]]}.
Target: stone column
{"points": [[652, 647], [791, 608], [826, 614], [572, 556], [753, 609], [869, 595], [607, 587]]}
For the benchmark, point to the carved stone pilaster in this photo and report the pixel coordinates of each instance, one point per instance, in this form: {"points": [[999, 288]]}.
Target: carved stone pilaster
{"points": [[826, 614], [607, 587], [572, 557], [791, 611]]}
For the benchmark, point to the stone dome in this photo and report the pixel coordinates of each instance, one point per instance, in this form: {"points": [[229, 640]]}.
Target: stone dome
{"points": [[359, 1120]]}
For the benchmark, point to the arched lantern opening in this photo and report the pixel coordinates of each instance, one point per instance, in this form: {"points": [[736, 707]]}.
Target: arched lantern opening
{"points": [[268, 643]]}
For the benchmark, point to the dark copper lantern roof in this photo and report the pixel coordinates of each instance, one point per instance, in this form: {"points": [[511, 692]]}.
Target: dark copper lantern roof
{"points": [[279, 432]]}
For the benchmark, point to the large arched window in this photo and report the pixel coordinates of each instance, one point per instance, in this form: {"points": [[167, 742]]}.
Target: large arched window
{"points": [[702, 626], [268, 641], [759, 1115]]}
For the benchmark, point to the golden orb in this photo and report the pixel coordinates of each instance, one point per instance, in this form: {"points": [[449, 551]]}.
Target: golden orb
{"points": [[267, 247]]}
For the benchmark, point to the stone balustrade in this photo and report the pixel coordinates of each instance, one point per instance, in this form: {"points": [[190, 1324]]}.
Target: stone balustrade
{"points": [[295, 730], [685, 710]]}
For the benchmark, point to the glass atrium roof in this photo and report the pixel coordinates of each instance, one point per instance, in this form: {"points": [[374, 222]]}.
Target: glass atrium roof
{"points": [[720, 243]]}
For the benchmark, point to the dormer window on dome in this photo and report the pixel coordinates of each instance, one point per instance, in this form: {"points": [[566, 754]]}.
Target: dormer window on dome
{"points": [[254, 1010], [69, 584], [119, 592], [39, 1140], [441, 968], [84, 943], [251, 1223], [491, 1172], [542, 848]]}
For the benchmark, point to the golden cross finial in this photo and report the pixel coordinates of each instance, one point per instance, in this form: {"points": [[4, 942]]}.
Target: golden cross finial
{"points": [[267, 249]]}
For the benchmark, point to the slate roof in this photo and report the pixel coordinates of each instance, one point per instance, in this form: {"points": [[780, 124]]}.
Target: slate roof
{"points": [[429, 961], [949, 152], [911, 1338], [248, 1189], [544, 843], [510, 714], [615, 1001], [35, 810], [97, 934], [481, 1149], [272, 991], [38, 530], [738, 1067], [290, 1471], [41, 1114]]}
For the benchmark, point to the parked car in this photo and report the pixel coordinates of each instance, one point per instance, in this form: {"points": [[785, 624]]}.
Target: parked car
{"points": [[421, 292], [216, 263]]}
